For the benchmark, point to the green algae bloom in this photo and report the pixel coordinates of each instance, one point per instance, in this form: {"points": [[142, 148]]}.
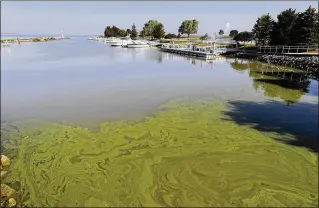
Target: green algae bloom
{"points": [[186, 155]]}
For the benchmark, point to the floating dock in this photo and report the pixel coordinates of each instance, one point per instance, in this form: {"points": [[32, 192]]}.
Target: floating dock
{"points": [[207, 52], [187, 52]]}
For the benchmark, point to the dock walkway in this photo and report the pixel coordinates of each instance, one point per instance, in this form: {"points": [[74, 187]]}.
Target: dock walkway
{"points": [[208, 52], [187, 52]]}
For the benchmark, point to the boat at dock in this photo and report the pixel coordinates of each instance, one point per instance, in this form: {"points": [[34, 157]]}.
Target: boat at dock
{"points": [[121, 42], [206, 52], [138, 44]]}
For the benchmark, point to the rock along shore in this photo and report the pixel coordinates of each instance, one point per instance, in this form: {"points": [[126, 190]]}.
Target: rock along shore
{"points": [[34, 39], [309, 63], [7, 193]]}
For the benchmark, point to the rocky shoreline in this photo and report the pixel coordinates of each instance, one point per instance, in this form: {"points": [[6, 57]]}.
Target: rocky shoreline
{"points": [[309, 63], [7, 193], [34, 39]]}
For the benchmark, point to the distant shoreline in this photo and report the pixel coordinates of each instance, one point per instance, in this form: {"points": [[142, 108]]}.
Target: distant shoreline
{"points": [[10, 40]]}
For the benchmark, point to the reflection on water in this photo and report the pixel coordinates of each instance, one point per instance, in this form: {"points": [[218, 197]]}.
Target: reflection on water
{"points": [[5, 50], [276, 81]]}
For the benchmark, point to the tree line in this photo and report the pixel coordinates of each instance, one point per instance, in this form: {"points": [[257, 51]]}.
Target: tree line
{"points": [[153, 29], [290, 28]]}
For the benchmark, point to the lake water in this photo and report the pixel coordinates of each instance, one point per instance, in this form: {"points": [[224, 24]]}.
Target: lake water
{"points": [[173, 131]]}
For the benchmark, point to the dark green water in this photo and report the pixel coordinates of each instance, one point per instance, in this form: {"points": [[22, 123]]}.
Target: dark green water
{"points": [[97, 126]]}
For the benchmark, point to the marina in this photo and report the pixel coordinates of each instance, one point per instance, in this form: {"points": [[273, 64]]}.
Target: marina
{"points": [[206, 52]]}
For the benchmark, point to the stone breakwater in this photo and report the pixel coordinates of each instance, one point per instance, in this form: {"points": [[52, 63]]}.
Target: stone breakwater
{"points": [[34, 39], [309, 63], [305, 62]]}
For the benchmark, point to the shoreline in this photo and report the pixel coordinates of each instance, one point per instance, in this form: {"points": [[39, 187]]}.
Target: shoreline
{"points": [[31, 39], [309, 63]]}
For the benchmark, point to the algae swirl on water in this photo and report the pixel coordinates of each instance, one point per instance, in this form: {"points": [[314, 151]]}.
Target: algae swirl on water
{"points": [[187, 155]]}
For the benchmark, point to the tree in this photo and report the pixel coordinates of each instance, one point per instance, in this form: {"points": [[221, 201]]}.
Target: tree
{"points": [[263, 29], [233, 33], [221, 32], [170, 36], [315, 31], [302, 29], [281, 33], [141, 34], [195, 26], [128, 32], [244, 36], [188, 27], [121, 33], [115, 32], [133, 32], [149, 27], [108, 32], [181, 29], [158, 31]]}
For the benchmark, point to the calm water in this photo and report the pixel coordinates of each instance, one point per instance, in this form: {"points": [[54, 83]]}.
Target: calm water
{"points": [[233, 133], [77, 80]]}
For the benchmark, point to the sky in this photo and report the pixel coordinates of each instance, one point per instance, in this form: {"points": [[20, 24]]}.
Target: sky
{"points": [[91, 17]]}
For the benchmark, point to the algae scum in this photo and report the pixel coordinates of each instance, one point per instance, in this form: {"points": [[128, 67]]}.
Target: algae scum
{"points": [[190, 154]]}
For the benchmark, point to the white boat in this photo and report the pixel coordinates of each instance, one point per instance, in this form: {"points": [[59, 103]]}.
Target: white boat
{"points": [[153, 43], [121, 42], [138, 44]]}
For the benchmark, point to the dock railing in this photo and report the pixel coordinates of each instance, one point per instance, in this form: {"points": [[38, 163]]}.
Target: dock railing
{"points": [[288, 49]]}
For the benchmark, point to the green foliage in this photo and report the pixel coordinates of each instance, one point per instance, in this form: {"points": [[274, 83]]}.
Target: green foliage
{"points": [[244, 36], [114, 32], [108, 32], [153, 29], [263, 29], [188, 27], [282, 28], [170, 36], [291, 28], [149, 28], [133, 32], [303, 28], [128, 32], [221, 32], [315, 31], [158, 31], [233, 33]]}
